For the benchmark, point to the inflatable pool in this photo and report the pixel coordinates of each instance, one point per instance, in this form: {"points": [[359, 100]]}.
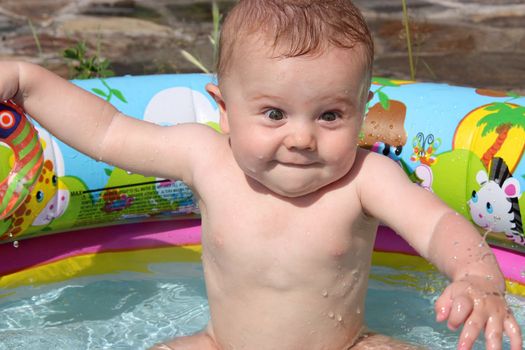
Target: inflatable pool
{"points": [[85, 218]]}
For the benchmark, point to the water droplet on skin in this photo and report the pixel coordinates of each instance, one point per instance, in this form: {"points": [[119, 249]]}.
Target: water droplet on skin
{"points": [[15, 244], [325, 293], [513, 329], [355, 276], [358, 311], [458, 307], [331, 314], [339, 318], [487, 258]]}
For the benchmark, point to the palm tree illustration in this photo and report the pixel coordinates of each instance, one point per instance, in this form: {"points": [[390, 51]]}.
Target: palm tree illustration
{"points": [[503, 117]]}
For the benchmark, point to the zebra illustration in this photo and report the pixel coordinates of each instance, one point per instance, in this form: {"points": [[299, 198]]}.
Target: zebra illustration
{"points": [[495, 206]]}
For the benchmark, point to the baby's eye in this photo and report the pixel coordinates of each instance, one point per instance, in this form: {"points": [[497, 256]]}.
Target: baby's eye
{"points": [[274, 114], [329, 116]]}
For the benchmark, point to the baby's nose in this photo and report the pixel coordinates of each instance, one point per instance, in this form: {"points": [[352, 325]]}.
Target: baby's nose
{"points": [[301, 138]]}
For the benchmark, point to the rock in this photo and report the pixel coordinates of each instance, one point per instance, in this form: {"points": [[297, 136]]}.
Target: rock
{"points": [[478, 43]]}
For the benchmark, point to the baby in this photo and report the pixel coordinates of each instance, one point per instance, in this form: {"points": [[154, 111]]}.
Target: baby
{"points": [[286, 182]]}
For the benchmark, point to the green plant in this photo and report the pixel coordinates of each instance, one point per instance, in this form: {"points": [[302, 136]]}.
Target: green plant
{"points": [[406, 24], [213, 37], [110, 92], [83, 66], [414, 40], [35, 37]]}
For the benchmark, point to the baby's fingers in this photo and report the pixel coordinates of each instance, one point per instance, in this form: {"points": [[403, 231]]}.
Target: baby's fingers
{"points": [[494, 333], [443, 305], [471, 331], [459, 312], [513, 331]]}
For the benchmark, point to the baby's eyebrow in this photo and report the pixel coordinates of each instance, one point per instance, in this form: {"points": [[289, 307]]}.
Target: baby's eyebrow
{"points": [[262, 96], [344, 99]]}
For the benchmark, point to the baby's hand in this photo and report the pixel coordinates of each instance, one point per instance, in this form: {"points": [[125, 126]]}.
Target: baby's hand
{"points": [[478, 303]]}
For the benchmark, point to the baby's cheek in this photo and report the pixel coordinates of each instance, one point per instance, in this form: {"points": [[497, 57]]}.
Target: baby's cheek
{"points": [[344, 161]]}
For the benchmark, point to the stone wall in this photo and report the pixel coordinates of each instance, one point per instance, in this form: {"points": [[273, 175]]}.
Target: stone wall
{"points": [[467, 42]]}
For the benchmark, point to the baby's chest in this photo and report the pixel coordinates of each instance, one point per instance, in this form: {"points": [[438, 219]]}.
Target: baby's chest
{"points": [[247, 232], [303, 250], [267, 235]]}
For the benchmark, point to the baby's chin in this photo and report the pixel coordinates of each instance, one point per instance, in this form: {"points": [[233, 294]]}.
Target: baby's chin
{"points": [[294, 193], [290, 190]]}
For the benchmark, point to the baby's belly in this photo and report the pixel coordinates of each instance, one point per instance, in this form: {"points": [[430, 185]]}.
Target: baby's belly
{"points": [[285, 322], [314, 309], [292, 288]]}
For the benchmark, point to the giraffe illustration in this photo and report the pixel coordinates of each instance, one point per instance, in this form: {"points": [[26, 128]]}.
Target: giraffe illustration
{"points": [[45, 202]]}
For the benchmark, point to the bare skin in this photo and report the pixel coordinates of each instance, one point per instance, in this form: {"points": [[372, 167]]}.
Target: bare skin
{"points": [[289, 204]]}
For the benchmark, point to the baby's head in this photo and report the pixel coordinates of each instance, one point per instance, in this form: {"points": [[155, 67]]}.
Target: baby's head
{"points": [[294, 28], [293, 78]]}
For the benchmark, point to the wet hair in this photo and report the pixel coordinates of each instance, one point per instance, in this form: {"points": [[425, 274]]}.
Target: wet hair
{"points": [[295, 28]]}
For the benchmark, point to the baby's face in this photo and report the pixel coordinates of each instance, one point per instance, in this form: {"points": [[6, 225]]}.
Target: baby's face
{"points": [[294, 122]]}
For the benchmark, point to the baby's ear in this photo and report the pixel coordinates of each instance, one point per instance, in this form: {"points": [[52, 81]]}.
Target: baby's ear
{"points": [[215, 93]]}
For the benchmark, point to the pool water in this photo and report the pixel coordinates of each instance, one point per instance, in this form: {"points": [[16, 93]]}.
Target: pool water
{"points": [[133, 311]]}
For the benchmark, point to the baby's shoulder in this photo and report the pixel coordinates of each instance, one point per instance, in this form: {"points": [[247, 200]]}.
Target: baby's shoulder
{"points": [[204, 141], [189, 150], [377, 168], [367, 161]]}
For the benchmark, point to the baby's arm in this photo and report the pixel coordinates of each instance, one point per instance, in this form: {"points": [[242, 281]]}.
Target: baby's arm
{"points": [[475, 296], [95, 127]]}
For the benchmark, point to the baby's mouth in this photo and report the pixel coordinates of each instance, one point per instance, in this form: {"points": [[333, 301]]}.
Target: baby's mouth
{"points": [[299, 164]]}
